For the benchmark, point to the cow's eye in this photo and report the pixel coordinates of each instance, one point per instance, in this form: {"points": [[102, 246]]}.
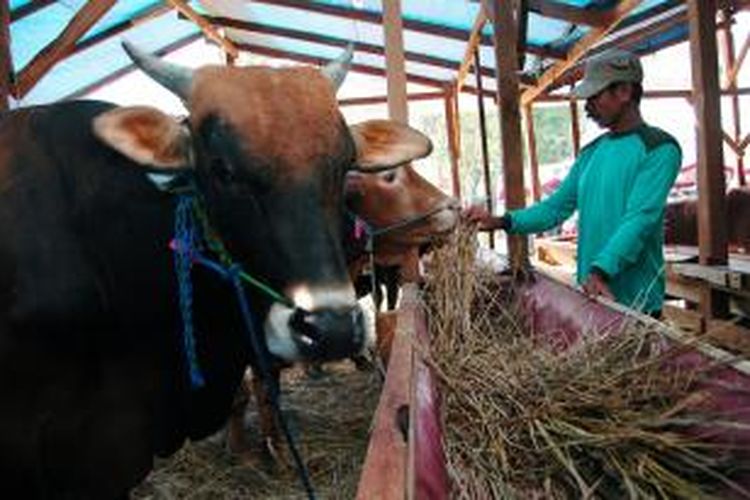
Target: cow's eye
{"points": [[389, 176]]}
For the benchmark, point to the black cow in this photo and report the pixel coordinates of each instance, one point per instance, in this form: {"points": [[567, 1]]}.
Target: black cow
{"points": [[93, 375]]}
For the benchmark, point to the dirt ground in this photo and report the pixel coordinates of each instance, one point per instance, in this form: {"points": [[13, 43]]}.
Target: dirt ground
{"points": [[330, 417]]}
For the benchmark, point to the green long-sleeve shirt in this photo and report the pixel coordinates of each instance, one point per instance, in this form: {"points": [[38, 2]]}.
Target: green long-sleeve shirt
{"points": [[619, 184]]}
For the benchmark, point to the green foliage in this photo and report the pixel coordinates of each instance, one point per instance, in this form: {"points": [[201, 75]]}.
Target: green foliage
{"points": [[553, 137]]}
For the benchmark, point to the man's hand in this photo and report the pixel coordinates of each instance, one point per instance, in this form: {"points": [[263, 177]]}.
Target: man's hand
{"points": [[596, 285], [478, 214]]}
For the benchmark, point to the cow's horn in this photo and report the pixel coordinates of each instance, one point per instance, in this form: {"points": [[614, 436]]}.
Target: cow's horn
{"points": [[175, 78], [336, 70]]}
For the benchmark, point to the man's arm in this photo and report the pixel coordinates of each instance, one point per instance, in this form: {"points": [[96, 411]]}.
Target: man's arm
{"points": [[552, 211], [644, 209]]}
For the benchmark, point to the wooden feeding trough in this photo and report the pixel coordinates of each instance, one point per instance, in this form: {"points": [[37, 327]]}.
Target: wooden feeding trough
{"points": [[405, 457]]}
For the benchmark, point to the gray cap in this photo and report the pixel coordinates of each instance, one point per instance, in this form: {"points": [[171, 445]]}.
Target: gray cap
{"points": [[611, 66]]}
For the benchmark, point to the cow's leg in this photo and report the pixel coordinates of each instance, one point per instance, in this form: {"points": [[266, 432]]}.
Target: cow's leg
{"points": [[391, 275], [266, 419], [236, 435]]}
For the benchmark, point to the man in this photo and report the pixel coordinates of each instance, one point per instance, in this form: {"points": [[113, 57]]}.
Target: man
{"points": [[619, 184]]}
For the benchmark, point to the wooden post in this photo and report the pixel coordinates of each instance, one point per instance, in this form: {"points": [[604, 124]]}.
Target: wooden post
{"points": [[393, 28], [712, 231], [575, 127], [536, 187], [6, 60], [730, 62], [508, 95], [452, 126], [483, 138]]}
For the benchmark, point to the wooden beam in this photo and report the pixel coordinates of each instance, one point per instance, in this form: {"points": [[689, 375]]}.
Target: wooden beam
{"points": [[485, 147], [712, 231], [393, 34], [453, 129], [6, 59], [359, 46], [383, 99], [736, 66], [62, 46], [575, 126], [616, 15], [116, 75], [207, 28], [121, 27], [319, 61], [408, 24], [568, 13], [29, 9], [504, 33], [536, 185], [471, 46], [384, 470]]}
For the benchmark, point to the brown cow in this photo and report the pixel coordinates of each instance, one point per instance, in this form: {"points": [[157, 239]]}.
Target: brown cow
{"points": [[681, 221], [406, 213]]}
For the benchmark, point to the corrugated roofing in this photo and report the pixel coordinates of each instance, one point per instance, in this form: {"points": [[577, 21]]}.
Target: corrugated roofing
{"points": [[435, 36]]}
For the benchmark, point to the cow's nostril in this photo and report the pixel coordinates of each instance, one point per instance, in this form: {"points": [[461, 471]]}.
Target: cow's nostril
{"points": [[328, 333]]}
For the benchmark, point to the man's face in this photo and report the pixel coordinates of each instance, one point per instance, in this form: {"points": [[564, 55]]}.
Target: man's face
{"points": [[607, 107]]}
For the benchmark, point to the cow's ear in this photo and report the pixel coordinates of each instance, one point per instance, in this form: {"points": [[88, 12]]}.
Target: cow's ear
{"points": [[146, 136], [384, 144]]}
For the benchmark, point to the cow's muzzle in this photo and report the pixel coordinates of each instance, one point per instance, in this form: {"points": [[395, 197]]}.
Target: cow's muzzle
{"points": [[328, 334], [321, 335]]}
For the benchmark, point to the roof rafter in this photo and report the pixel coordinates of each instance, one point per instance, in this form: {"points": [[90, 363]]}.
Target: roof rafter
{"points": [[29, 8], [255, 27], [62, 46], [116, 75], [409, 24], [574, 15], [618, 13], [471, 46], [208, 29]]}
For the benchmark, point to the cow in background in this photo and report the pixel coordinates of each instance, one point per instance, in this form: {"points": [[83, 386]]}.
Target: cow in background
{"points": [[407, 212], [681, 221], [97, 371]]}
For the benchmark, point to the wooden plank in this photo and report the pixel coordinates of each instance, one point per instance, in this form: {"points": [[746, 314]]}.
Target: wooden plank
{"points": [[471, 47], [483, 142], [207, 28], [62, 45], [29, 9], [504, 32], [723, 276], [409, 24], [575, 126], [426, 456], [616, 16], [536, 185], [383, 99], [6, 61], [356, 67], [453, 127], [112, 77], [735, 68], [568, 13], [393, 33], [384, 471], [712, 231], [359, 46]]}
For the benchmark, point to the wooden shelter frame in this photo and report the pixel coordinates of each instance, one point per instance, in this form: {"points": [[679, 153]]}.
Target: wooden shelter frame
{"points": [[515, 95]]}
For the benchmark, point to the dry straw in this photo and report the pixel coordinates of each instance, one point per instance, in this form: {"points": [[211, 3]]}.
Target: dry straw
{"points": [[617, 416], [331, 419]]}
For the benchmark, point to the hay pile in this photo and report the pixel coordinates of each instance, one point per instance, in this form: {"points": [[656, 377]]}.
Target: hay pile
{"points": [[605, 419], [330, 418]]}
